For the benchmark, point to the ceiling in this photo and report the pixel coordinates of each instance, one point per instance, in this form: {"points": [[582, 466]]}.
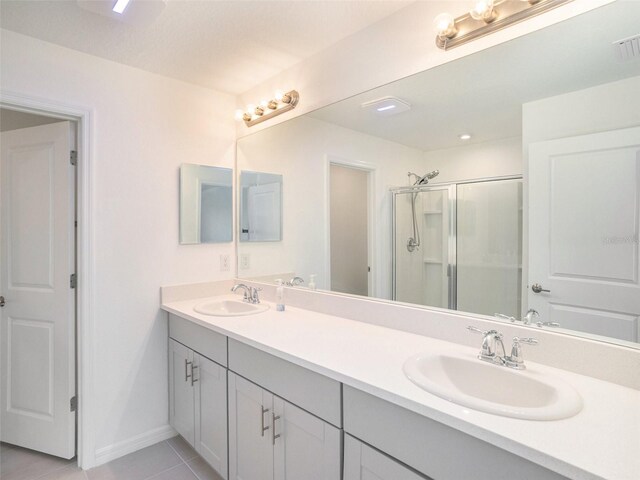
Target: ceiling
{"points": [[483, 94], [230, 46]]}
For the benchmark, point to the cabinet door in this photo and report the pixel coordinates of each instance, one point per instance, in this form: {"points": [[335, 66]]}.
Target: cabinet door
{"points": [[181, 396], [362, 462], [250, 442], [210, 381], [305, 447]]}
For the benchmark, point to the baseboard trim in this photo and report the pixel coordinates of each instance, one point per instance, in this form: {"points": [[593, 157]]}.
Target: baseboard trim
{"points": [[120, 449]]}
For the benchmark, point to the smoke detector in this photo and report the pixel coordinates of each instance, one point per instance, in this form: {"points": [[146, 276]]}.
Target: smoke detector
{"points": [[627, 48], [386, 106]]}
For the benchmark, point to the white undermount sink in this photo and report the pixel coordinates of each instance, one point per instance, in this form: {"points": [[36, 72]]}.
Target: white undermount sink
{"points": [[495, 389], [229, 308]]}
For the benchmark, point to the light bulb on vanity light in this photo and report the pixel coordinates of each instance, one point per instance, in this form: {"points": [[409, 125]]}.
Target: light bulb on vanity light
{"points": [[483, 10], [239, 114], [278, 95], [445, 25]]}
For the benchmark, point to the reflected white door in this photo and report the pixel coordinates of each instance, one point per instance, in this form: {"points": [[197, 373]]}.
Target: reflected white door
{"points": [[584, 220], [38, 320], [264, 206]]}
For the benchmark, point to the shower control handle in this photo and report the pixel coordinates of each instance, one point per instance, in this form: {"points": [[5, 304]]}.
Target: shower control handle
{"points": [[537, 288], [1, 301]]}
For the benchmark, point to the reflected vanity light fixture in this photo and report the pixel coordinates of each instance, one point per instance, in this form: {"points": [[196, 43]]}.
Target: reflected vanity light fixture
{"points": [[487, 16], [281, 102]]}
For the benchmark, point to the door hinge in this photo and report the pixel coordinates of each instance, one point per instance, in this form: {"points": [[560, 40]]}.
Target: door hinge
{"points": [[73, 280], [73, 157], [73, 404]]}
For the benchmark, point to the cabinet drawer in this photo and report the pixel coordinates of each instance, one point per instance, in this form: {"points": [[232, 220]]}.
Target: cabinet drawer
{"points": [[309, 390], [202, 340], [430, 447]]}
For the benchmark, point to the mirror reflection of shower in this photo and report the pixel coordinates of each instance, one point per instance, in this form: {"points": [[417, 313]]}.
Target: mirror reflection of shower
{"points": [[414, 241]]}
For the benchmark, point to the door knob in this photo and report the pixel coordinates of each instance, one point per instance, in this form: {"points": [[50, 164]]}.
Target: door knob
{"points": [[1, 301], [537, 288]]}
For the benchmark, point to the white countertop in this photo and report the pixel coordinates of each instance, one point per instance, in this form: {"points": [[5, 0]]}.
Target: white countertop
{"points": [[602, 441]]}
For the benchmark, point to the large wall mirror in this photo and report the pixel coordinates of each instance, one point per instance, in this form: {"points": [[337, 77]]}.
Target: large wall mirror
{"points": [[505, 183]]}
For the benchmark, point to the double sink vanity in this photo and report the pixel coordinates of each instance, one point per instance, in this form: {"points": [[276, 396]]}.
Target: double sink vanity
{"points": [[302, 394]]}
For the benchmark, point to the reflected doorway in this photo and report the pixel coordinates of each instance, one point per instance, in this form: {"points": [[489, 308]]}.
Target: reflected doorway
{"points": [[349, 229]]}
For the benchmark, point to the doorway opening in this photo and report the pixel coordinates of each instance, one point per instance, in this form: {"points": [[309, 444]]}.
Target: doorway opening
{"points": [[38, 280], [350, 252]]}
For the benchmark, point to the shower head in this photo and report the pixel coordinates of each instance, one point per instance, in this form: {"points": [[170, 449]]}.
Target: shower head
{"points": [[423, 180]]}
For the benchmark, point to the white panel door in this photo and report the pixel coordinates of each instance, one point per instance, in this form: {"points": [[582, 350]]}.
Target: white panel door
{"points": [[305, 447], [264, 204], [211, 412], [584, 226], [38, 321], [362, 462], [250, 435], [181, 391]]}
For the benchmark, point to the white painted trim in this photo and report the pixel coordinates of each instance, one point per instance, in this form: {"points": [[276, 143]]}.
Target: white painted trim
{"points": [[84, 117], [133, 444], [372, 201]]}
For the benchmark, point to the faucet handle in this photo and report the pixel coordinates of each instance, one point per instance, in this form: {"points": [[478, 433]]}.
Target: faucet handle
{"points": [[515, 360], [255, 298], [505, 317], [473, 329]]}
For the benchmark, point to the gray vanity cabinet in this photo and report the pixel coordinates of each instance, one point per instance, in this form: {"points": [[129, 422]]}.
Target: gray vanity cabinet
{"points": [[361, 462], [198, 390], [272, 439]]}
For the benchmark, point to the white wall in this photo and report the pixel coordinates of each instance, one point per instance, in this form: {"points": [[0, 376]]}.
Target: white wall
{"points": [[477, 160], [398, 46], [144, 127], [300, 151]]}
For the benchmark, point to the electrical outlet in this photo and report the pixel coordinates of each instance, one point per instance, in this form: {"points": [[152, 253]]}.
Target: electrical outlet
{"points": [[225, 263], [244, 261]]}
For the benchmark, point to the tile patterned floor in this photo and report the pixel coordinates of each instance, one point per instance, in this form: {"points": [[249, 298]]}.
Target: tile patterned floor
{"points": [[173, 459]]}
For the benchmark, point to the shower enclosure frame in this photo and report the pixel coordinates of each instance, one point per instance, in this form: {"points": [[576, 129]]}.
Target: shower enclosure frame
{"points": [[452, 266]]}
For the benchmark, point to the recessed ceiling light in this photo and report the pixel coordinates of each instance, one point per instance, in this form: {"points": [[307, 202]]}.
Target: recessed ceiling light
{"points": [[464, 136], [386, 106], [120, 6]]}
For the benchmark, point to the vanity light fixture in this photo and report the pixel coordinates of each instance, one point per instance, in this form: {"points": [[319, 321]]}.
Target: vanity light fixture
{"points": [[120, 6], [487, 16], [281, 102]]}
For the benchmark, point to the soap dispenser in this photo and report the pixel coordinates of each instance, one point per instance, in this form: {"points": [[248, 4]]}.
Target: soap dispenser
{"points": [[279, 296], [312, 281]]}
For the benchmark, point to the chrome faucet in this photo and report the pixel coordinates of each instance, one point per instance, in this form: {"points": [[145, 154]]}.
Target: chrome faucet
{"points": [[295, 281], [528, 319], [491, 339], [250, 293]]}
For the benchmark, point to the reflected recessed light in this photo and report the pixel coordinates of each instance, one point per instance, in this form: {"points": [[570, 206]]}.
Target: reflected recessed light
{"points": [[388, 107], [120, 6], [464, 136]]}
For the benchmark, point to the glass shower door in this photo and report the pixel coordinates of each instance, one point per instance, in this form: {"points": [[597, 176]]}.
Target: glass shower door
{"points": [[424, 246], [489, 247]]}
